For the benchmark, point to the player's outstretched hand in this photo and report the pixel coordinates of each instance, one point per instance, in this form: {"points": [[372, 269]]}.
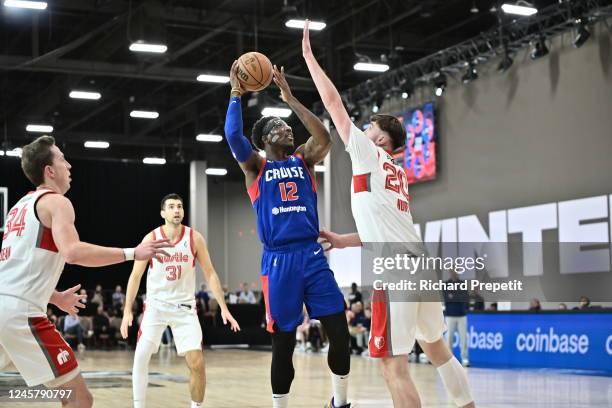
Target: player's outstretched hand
{"points": [[70, 301], [125, 323], [227, 317], [331, 239], [149, 249], [306, 50], [281, 82], [237, 89]]}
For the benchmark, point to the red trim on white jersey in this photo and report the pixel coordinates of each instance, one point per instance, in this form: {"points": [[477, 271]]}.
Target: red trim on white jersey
{"points": [[379, 339], [361, 183], [253, 189], [144, 308], [59, 354], [45, 239], [161, 229], [151, 260], [192, 245]]}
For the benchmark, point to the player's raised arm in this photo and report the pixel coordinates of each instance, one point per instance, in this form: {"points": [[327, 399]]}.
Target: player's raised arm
{"points": [[319, 143], [59, 211], [212, 279], [329, 94], [131, 291], [248, 160]]}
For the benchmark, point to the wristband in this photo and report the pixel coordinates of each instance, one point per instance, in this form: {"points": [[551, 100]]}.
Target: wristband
{"points": [[128, 254]]}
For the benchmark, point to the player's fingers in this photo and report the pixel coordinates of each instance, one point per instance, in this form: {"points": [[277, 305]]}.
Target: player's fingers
{"points": [[161, 252], [74, 288], [81, 297], [224, 320], [80, 305]]}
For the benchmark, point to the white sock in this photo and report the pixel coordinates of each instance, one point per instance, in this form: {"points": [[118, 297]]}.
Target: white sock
{"points": [[280, 400], [340, 388], [196, 404], [455, 380]]}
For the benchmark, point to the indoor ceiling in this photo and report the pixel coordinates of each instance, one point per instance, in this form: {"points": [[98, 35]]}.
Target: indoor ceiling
{"points": [[84, 45]]}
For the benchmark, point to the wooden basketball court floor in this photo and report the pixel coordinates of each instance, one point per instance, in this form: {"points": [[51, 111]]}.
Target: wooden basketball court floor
{"points": [[240, 378]]}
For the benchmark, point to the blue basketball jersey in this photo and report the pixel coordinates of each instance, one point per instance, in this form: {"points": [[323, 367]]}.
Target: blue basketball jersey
{"points": [[284, 196]]}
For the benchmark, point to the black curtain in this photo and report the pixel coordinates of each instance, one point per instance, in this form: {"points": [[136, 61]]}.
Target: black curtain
{"points": [[116, 204]]}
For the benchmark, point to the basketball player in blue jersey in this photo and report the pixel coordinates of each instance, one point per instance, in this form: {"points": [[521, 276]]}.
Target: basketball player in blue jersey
{"points": [[294, 270]]}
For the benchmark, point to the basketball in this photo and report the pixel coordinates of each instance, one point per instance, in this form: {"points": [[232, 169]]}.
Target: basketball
{"points": [[254, 71]]}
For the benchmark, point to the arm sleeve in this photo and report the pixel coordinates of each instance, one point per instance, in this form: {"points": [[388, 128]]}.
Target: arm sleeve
{"points": [[238, 143], [363, 152]]}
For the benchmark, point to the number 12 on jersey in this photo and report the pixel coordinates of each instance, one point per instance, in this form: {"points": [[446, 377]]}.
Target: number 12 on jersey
{"points": [[288, 191]]}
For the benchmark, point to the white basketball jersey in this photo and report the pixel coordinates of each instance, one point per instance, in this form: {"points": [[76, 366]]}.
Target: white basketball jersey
{"points": [[379, 193], [30, 264], [171, 278]]}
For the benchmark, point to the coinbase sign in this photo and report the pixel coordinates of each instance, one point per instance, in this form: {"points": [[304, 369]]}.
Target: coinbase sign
{"points": [[571, 341]]}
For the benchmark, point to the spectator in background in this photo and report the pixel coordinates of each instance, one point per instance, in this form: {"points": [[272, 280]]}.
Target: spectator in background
{"points": [[203, 297], [72, 325], [98, 297], [118, 298], [492, 307], [302, 332], [51, 316], [359, 328], [226, 294], [84, 300], [476, 301], [456, 307], [355, 295], [255, 290], [101, 324], [562, 306], [585, 303], [246, 295], [534, 305]]}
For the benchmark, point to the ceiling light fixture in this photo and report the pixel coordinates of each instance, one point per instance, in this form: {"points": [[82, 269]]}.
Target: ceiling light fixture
{"points": [[141, 46]]}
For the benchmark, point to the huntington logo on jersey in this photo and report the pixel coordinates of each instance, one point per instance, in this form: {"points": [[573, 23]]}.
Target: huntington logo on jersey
{"points": [[284, 196]]}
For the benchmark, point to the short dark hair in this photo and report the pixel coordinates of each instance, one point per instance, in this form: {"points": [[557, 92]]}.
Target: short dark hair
{"points": [[258, 131], [393, 127], [171, 196], [35, 157]]}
